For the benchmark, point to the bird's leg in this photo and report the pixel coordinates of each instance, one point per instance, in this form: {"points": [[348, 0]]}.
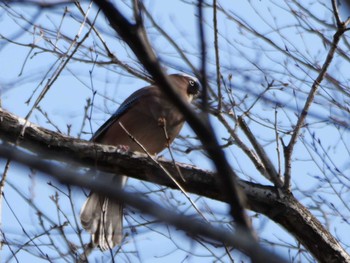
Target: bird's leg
{"points": [[162, 124], [123, 148]]}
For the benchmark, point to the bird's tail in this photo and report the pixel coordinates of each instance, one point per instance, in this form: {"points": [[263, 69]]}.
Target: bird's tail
{"points": [[103, 218]]}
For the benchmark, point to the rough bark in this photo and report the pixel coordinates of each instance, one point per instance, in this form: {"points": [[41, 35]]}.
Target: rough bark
{"points": [[282, 209]]}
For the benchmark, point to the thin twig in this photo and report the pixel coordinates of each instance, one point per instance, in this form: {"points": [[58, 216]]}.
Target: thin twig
{"points": [[217, 56], [336, 14], [249, 152], [277, 138], [163, 125], [165, 171], [269, 167], [203, 70]]}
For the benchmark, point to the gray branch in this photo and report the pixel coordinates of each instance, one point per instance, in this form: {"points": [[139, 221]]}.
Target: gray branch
{"points": [[284, 210]]}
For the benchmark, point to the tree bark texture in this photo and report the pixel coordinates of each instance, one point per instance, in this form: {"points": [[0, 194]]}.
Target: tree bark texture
{"points": [[283, 209]]}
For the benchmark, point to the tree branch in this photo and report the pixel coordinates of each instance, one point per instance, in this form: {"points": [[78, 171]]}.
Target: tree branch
{"points": [[288, 150], [240, 239], [284, 210]]}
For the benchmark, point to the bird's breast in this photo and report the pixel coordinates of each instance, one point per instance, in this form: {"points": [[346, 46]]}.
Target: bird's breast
{"points": [[153, 127]]}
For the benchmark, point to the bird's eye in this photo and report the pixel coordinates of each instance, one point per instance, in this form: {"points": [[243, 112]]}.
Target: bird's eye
{"points": [[193, 87]]}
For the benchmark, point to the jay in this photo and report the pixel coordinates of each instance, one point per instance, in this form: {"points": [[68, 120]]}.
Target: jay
{"points": [[144, 115]]}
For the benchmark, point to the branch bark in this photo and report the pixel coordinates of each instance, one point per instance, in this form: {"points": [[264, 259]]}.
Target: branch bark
{"points": [[239, 239], [282, 209]]}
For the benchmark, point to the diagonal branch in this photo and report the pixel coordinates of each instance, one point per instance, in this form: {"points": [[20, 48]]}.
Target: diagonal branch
{"points": [[135, 37], [288, 150]]}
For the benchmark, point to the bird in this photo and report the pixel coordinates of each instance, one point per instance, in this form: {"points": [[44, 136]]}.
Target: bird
{"points": [[150, 117]]}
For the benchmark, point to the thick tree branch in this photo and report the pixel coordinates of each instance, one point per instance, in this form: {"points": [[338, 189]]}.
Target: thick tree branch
{"points": [[240, 239], [284, 210]]}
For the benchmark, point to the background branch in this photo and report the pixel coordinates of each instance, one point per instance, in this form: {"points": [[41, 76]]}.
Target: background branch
{"points": [[134, 36]]}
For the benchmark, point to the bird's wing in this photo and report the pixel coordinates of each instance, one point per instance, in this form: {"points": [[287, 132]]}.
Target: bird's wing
{"points": [[130, 102]]}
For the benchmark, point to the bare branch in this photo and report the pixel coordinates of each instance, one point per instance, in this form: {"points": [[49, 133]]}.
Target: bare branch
{"points": [[283, 209], [270, 169], [288, 151], [241, 239], [217, 55]]}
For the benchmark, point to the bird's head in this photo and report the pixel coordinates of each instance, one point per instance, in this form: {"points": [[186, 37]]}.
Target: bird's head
{"points": [[187, 85]]}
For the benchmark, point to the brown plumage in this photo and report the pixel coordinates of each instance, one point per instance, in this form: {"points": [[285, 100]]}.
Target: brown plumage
{"points": [[144, 114]]}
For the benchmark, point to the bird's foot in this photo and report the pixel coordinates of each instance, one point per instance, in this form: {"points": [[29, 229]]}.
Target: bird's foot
{"points": [[123, 148]]}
